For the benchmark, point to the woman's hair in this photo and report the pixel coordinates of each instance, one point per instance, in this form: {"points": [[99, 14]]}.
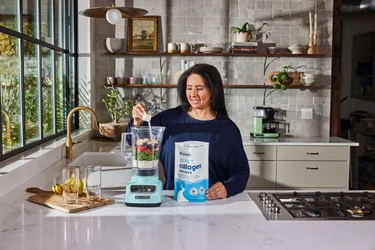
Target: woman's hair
{"points": [[213, 82]]}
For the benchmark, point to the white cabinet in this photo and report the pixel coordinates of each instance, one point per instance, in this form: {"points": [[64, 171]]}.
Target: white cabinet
{"points": [[262, 161], [298, 167], [312, 167]]}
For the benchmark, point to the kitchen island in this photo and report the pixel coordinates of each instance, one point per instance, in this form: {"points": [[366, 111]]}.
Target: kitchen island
{"points": [[233, 223]]}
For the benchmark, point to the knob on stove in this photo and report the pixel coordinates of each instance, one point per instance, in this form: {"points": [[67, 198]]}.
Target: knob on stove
{"points": [[262, 196]]}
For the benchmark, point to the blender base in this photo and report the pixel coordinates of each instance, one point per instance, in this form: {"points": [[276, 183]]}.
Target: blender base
{"points": [[143, 191]]}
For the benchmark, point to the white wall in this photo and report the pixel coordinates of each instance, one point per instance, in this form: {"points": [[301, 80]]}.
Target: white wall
{"points": [[353, 25]]}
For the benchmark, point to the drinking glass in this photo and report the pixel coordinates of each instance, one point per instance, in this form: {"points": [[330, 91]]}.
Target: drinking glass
{"points": [[70, 178], [93, 183]]}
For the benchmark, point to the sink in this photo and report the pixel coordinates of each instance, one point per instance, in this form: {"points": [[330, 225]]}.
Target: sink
{"points": [[115, 172], [104, 159]]}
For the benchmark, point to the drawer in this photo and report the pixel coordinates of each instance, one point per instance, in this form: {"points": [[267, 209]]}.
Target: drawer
{"points": [[312, 153], [299, 174], [255, 153], [262, 175]]}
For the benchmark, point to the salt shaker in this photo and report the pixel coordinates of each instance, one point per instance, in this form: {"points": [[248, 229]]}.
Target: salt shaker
{"points": [[146, 117]]}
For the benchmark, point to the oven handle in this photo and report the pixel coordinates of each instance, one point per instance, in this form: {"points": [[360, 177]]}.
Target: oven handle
{"points": [[258, 153]]}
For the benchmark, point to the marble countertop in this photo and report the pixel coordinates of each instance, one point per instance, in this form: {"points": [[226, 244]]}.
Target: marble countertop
{"points": [[234, 223], [299, 141]]}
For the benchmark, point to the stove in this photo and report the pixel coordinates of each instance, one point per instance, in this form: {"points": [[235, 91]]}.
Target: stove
{"points": [[316, 205]]}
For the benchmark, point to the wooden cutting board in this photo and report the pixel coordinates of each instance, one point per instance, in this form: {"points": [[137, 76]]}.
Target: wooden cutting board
{"points": [[52, 200]]}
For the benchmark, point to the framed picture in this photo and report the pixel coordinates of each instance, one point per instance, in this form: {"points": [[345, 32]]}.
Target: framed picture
{"points": [[143, 34]]}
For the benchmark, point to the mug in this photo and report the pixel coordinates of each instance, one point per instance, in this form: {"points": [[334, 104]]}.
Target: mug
{"points": [[185, 47], [173, 47]]}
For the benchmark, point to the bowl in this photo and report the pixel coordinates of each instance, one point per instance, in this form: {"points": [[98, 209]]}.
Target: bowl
{"points": [[273, 50], [113, 44], [210, 49], [308, 81], [298, 48]]}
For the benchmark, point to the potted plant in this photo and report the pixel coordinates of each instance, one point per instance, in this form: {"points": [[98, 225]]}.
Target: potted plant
{"points": [[247, 32], [283, 78], [117, 108]]}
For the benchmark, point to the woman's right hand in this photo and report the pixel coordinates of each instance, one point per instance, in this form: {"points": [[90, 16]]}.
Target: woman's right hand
{"points": [[137, 113]]}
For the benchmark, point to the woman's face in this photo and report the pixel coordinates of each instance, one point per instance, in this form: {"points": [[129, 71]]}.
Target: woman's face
{"points": [[197, 92]]}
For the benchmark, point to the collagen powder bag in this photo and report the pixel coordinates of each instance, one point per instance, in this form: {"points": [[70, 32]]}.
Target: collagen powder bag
{"points": [[191, 171]]}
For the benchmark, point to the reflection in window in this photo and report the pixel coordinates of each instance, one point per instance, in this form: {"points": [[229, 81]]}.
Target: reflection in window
{"points": [[8, 15], [10, 93], [47, 90], [30, 27], [46, 22], [31, 89], [60, 90]]}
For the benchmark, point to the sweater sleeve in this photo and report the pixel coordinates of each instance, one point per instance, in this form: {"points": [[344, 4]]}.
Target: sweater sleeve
{"points": [[239, 170]]}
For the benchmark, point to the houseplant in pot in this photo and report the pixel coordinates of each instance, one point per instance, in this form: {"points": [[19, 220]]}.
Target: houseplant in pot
{"points": [[247, 32], [117, 108]]}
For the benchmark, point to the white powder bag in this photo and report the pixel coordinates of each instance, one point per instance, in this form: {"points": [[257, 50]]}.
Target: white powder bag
{"points": [[191, 171]]}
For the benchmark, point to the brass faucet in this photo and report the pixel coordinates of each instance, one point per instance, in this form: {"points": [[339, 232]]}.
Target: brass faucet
{"points": [[69, 143]]}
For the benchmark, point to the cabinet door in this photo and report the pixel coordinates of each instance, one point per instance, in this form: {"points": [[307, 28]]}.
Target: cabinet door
{"points": [[260, 153], [299, 174], [262, 175]]}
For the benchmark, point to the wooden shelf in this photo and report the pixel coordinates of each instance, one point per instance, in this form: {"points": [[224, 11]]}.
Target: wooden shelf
{"points": [[231, 86], [212, 54]]}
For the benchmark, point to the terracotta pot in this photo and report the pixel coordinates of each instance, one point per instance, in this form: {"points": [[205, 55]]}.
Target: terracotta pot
{"points": [[112, 129]]}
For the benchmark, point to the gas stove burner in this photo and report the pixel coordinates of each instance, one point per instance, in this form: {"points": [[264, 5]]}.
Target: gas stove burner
{"points": [[312, 213]]}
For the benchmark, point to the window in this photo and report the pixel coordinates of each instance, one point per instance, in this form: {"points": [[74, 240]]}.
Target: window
{"points": [[37, 71]]}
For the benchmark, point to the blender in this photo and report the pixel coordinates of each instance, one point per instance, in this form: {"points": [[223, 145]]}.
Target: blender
{"points": [[144, 189]]}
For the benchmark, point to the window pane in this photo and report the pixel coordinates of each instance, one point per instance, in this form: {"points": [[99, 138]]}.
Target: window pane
{"points": [[10, 92], [46, 20], [60, 23], [47, 90], [9, 14], [60, 90], [31, 86], [29, 18]]}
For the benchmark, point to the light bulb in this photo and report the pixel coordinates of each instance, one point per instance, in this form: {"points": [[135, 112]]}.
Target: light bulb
{"points": [[113, 16]]}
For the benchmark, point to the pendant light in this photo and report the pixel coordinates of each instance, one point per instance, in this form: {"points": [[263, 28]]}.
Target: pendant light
{"points": [[113, 14]]}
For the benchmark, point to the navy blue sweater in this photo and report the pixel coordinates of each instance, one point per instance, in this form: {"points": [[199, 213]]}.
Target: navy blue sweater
{"points": [[227, 159]]}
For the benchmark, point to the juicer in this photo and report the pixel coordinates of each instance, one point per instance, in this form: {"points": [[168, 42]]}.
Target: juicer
{"points": [[144, 189]]}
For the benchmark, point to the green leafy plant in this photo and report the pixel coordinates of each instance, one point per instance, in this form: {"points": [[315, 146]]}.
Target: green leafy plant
{"points": [[117, 107], [282, 79], [250, 28]]}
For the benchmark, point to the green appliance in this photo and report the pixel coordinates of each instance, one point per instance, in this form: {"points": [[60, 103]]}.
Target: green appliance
{"points": [[144, 189], [264, 123]]}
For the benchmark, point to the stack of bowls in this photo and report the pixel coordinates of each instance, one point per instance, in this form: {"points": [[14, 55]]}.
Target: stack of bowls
{"points": [[308, 79]]}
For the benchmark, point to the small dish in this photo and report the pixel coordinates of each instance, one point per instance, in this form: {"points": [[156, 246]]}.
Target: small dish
{"points": [[210, 49]]}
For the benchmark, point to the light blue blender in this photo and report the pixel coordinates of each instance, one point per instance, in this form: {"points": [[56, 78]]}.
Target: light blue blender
{"points": [[144, 189]]}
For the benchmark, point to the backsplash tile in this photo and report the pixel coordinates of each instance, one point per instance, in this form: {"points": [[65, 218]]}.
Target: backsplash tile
{"points": [[209, 22]]}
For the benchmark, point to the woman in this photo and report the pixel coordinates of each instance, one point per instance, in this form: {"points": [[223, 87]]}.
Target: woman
{"points": [[202, 116]]}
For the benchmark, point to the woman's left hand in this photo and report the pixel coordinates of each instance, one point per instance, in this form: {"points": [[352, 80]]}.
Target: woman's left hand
{"points": [[217, 191]]}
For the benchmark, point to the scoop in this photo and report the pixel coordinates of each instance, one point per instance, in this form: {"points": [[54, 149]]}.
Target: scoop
{"points": [[146, 117]]}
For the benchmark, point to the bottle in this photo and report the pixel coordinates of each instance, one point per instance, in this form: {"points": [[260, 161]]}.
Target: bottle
{"points": [[146, 117]]}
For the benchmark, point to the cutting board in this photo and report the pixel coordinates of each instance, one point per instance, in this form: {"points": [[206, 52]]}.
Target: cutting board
{"points": [[52, 200]]}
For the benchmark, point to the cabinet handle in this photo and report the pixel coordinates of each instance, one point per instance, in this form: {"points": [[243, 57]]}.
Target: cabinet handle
{"points": [[312, 153], [309, 168], [258, 153]]}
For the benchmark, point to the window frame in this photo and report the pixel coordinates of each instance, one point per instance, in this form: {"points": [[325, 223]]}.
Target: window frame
{"points": [[71, 22]]}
